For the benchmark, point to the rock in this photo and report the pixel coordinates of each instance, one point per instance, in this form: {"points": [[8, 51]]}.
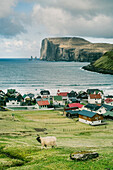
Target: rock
{"points": [[72, 49], [84, 155]]}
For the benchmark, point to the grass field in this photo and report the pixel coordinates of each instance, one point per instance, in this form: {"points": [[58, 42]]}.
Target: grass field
{"points": [[19, 149]]}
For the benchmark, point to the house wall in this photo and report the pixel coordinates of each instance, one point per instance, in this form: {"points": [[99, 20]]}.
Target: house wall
{"points": [[102, 110], [94, 101], [110, 104], [58, 102], [93, 121], [90, 122], [13, 103]]}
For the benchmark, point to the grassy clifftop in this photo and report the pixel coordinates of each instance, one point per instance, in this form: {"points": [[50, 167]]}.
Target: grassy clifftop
{"points": [[102, 65], [105, 62]]}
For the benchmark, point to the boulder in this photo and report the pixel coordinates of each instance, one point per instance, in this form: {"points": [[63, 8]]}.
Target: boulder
{"points": [[84, 155]]}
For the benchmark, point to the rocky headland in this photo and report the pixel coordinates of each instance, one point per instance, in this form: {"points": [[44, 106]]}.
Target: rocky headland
{"points": [[72, 49], [102, 65]]}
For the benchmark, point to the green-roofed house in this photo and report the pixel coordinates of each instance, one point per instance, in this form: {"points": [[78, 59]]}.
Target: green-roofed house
{"points": [[90, 118], [57, 100]]}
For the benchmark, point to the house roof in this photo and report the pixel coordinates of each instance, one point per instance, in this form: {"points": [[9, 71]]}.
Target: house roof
{"points": [[75, 105], [72, 111], [87, 113], [45, 92], [108, 107], [93, 107], [95, 96], [108, 100], [91, 91], [43, 103], [58, 98], [63, 94], [108, 113]]}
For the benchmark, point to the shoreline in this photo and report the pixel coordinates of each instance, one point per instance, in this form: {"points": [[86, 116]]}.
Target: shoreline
{"points": [[90, 67]]}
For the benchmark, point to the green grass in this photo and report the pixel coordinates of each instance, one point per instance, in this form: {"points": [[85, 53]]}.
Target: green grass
{"points": [[19, 149], [105, 62]]}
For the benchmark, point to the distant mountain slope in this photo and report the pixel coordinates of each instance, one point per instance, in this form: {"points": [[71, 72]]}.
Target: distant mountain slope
{"points": [[72, 49], [103, 64]]}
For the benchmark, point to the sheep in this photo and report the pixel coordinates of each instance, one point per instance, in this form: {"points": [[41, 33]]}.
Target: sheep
{"points": [[47, 141]]}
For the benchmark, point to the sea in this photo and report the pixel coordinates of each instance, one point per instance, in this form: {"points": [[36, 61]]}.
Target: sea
{"points": [[32, 76]]}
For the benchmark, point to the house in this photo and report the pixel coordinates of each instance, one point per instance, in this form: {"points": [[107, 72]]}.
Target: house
{"points": [[90, 118], [57, 100], [108, 115], [42, 104], [94, 99], [107, 107], [45, 93], [71, 113], [75, 105], [12, 102], [91, 107], [72, 97], [64, 95], [82, 95], [94, 91], [94, 108], [108, 101]]}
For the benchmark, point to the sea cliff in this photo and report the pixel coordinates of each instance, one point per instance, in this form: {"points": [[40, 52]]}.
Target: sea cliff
{"points": [[72, 49]]}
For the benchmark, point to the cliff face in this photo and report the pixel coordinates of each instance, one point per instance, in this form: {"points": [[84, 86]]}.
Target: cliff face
{"points": [[72, 49]]}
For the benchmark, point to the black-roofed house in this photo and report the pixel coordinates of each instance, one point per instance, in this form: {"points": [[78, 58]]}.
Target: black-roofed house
{"points": [[45, 93], [108, 107], [94, 108], [90, 118]]}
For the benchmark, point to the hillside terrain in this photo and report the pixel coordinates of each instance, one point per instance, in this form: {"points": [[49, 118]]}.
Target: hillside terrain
{"points": [[72, 49], [103, 64], [19, 149]]}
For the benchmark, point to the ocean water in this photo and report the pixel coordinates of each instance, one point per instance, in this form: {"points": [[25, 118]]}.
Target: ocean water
{"points": [[32, 76]]}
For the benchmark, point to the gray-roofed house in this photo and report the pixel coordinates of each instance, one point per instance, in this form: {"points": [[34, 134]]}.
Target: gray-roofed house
{"points": [[90, 118]]}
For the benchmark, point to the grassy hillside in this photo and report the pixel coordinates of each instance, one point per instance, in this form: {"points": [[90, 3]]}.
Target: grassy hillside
{"points": [[19, 149], [105, 62]]}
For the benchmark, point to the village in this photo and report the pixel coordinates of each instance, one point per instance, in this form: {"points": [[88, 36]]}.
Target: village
{"points": [[91, 106]]}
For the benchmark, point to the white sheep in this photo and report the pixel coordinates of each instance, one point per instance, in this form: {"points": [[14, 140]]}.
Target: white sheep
{"points": [[47, 141]]}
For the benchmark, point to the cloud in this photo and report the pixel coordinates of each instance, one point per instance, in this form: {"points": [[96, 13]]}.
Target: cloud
{"points": [[9, 28], [6, 7], [59, 21]]}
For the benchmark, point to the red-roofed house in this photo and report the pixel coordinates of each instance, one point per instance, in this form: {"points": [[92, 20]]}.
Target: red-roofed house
{"points": [[42, 104], [94, 99], [108, 101], [78, 105], [64, 95]]}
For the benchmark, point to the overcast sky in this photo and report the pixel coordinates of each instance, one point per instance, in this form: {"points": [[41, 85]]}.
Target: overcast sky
{"points": [[24, 23]]}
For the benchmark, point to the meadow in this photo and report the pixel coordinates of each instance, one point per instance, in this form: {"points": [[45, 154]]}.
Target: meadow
{"points": [[19, 149]]}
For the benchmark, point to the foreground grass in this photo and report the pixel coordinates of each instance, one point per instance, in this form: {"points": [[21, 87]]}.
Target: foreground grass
{"points": [[19, 149]]}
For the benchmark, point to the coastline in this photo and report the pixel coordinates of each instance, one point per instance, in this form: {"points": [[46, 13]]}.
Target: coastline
{"points": [[90, 67]]}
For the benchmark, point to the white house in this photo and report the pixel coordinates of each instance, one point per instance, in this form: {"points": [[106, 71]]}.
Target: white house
{"points": [[12, 102], [94, 99]]}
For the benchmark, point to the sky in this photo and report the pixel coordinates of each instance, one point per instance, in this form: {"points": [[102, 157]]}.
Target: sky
{"points": [[25, 23]]}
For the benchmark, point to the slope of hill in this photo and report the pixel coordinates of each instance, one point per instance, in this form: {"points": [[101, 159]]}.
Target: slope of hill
{"points": [[72, 49], [103, 64]]}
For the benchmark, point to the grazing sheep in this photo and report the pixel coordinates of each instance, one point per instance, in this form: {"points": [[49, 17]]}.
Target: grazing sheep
{"points": [[47, 141]]}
